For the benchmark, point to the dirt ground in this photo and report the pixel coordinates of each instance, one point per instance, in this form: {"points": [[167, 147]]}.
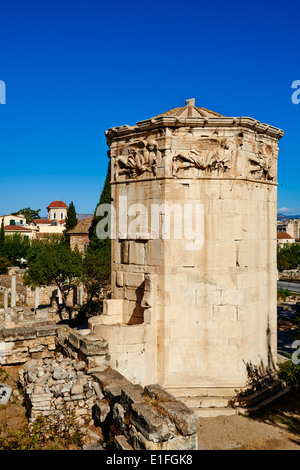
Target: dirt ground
{"points": [[241, 433]]}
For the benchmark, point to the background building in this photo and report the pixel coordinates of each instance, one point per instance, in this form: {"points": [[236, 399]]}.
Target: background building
{"points": [[79, 235], [55, 222]]}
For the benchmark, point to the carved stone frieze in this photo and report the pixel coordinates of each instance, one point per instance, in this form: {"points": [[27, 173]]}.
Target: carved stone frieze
{"points": [[141, 158], [208, 155], [263, 164]]}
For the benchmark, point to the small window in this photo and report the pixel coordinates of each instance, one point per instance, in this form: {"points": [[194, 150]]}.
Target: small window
{"points": [[21, 222], [62, 215], [12, 222], [54, 223], [54, 215], [85, 246]]}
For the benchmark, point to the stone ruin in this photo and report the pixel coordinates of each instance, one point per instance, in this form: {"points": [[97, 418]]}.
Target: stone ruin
{"points": [[194, 276], [66, 370], [131, 417], [15, 293], [194, 273]]}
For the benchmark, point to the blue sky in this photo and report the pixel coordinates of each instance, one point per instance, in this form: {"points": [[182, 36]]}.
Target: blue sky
{"points": [[73, 69]]}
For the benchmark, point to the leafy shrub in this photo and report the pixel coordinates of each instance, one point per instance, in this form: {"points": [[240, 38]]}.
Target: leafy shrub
{"points": [[288, 256], [49, 433], [283, 293], [289, 373]]}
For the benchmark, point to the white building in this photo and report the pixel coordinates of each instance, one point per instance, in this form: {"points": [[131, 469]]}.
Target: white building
{"points": [[10, 219]]}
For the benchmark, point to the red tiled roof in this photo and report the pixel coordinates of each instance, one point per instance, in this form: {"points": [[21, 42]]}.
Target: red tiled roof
{"points": [[42, 221], [82, 226], [16, 228], [47, 221], [283, 235], [57, 204]]}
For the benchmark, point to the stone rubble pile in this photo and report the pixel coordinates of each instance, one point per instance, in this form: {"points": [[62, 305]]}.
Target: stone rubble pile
{"points": [[53, 386], [143, 418], [131, 417]]}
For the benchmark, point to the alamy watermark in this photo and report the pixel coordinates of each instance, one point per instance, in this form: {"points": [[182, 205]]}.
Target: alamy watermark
{"points": [[141, 222], [295, 355], [2, 92], [296, 93]]}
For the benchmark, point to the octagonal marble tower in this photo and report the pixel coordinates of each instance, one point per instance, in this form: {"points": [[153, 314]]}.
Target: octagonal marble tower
{"points": [[194, 253]]}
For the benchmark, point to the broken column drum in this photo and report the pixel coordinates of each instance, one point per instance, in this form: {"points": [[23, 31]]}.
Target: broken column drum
{"points": [[204, 279]]}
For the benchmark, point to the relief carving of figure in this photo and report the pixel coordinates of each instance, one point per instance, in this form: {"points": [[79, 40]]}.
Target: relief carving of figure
{"points": [[127, 165], [263, 165], [208, 158], [141, 158], [149, 156]]}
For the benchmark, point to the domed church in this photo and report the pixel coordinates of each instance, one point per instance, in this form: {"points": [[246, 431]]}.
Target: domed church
{"points": [[57, 211]]}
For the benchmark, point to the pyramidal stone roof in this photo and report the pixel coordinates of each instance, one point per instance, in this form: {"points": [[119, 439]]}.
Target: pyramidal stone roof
{"points": [[190, 110], [193, 116]]}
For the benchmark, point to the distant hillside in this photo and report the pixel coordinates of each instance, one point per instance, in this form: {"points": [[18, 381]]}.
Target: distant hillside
{"points": [[287, 217], [281, 217], [83, 216]]}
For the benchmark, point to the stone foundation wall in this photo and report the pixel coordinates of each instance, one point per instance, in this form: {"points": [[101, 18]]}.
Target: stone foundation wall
{"points": [[68, 371], [22, 343], [84, 345]]}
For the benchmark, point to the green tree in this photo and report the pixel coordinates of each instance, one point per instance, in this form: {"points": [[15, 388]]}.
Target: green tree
{"points": [[97, 261], [288, 256], [29, 213], [105, 198], [71, 221], [96, 271], [16, 246], [2, 240], [51, 263]]}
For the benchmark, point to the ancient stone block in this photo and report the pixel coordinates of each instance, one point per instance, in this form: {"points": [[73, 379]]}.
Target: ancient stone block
{"points": [[46, 330], [98, 391], [185, 420], [119, 278], [111, 383], [121, 443], [157, 392], [101, 410], [93, 345], [153, 425], [18, 334], [131, 394], [139, 442], [118, 416], [97, 363]]}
